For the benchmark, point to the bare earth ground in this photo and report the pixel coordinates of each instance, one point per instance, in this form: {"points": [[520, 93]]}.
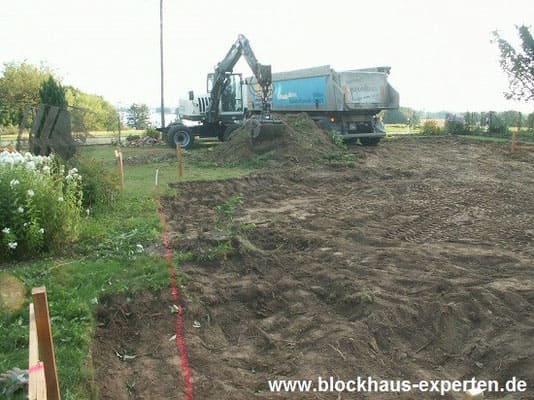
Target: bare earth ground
{"points": [[416, 264]]}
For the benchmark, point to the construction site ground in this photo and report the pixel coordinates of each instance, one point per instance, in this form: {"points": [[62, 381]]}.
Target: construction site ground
{"points": [[415, 263]]}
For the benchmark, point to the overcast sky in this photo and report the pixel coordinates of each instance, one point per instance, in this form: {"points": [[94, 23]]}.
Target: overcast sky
{"points": [[439, 51]]}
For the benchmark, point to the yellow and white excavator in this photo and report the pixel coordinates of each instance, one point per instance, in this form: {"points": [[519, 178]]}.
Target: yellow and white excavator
{"points": [[224, 108]]}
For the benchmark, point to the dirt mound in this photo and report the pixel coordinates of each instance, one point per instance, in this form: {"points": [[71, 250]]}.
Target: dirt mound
{"points": [[418, 265], [301, 142]]}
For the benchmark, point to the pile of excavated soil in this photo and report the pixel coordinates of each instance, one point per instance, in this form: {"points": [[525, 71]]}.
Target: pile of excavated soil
{"points": [[297, 140]]}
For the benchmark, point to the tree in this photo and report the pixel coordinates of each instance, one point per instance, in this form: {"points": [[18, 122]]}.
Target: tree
{"points": [[90, 112], [138, 116], [19, 87], [52, 93], [518, 64], [23, 85], [395, 117], [530, 122]]}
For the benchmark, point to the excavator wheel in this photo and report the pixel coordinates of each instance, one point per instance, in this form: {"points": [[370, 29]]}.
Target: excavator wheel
{"points": [[180, 135]]}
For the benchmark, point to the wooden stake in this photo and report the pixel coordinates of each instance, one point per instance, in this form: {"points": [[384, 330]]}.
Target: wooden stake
{"points": [[179, 161], [514, 142], [46, 344], [36, 377], [120, 169]]}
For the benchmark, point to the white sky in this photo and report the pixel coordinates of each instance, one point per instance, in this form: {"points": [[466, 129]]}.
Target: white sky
{"points": [[440, 52]]}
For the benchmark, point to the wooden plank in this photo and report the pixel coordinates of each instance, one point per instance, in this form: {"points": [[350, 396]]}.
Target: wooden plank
{"points": [[50, 122], [46, 344], [36, 377], [38, 120]]}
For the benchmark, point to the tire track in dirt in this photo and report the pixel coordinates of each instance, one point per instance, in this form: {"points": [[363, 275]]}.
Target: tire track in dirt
{"points": [[415, 265]]}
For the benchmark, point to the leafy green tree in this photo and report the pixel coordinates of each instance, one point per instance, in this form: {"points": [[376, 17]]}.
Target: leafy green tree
{"points": [[395, 117], [5, 117], [496, 123], [90, 112], [23, 84], [518, 64], [454, 124], [19, 87], [138, 116], [52, 93], [530, 122], [403, 115]]}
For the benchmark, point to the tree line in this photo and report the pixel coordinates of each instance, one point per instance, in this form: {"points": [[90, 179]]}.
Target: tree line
{"points": [[20, 86], [486, 121]]}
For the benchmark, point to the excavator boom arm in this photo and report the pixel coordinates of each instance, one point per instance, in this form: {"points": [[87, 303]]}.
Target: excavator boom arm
{"points": [[261, 72]]}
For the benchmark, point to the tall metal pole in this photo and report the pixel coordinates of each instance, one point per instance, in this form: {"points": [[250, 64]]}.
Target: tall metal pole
{"points": [[161, 61]]}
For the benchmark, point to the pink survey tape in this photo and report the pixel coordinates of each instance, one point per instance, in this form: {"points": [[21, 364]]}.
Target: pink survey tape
{"points": [[36, 367]]}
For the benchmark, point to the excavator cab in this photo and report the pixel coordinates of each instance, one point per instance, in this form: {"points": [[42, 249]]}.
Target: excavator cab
{"points": [[231, 103]]}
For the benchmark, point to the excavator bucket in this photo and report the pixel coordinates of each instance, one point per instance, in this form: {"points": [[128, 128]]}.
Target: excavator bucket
{"points": [[262, 130]]}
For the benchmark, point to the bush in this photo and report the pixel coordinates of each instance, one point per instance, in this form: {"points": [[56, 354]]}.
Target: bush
{"points": [[99, 187], [430, 127], [131, 138], [454, 125], [40, 204], [153, 133], [497, 125]]}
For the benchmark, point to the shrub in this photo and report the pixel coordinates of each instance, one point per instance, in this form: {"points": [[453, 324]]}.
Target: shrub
{"points": [[40, 203], [99, 187], [153, 133], [430, 127], [337, 138], [497, 125], [131, 138], [454, 125]]}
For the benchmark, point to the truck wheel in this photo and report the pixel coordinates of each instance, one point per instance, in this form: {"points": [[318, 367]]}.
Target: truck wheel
{"points": [[180, 135], [369, 141]]}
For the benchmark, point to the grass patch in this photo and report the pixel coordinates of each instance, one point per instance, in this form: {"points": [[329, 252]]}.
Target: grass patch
{"points": [[497, 139], [401, 128], [110, 257]]}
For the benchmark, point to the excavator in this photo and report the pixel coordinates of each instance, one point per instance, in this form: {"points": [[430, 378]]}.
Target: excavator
{"points": [[224, 108]]}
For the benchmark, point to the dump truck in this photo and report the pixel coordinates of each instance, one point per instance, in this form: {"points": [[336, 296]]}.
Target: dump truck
{"points": [[223, 109], [346, 102]]}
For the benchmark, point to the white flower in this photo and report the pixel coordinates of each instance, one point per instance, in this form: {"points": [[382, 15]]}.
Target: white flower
{"points": [[30, 165], [20, 210], [26, 224], [139, 248], [6, 230], [60, 198], [41, 231], [46, 169], [30, 193], [14, 182], [88, 211], [12, 245]]}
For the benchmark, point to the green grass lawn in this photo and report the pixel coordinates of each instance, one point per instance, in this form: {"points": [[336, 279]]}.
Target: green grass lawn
{"points": [[400, 128], [498, 139], [105, 259]]}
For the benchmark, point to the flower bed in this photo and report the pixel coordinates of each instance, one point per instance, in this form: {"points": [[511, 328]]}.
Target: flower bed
{"points": [[40, 203]]}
